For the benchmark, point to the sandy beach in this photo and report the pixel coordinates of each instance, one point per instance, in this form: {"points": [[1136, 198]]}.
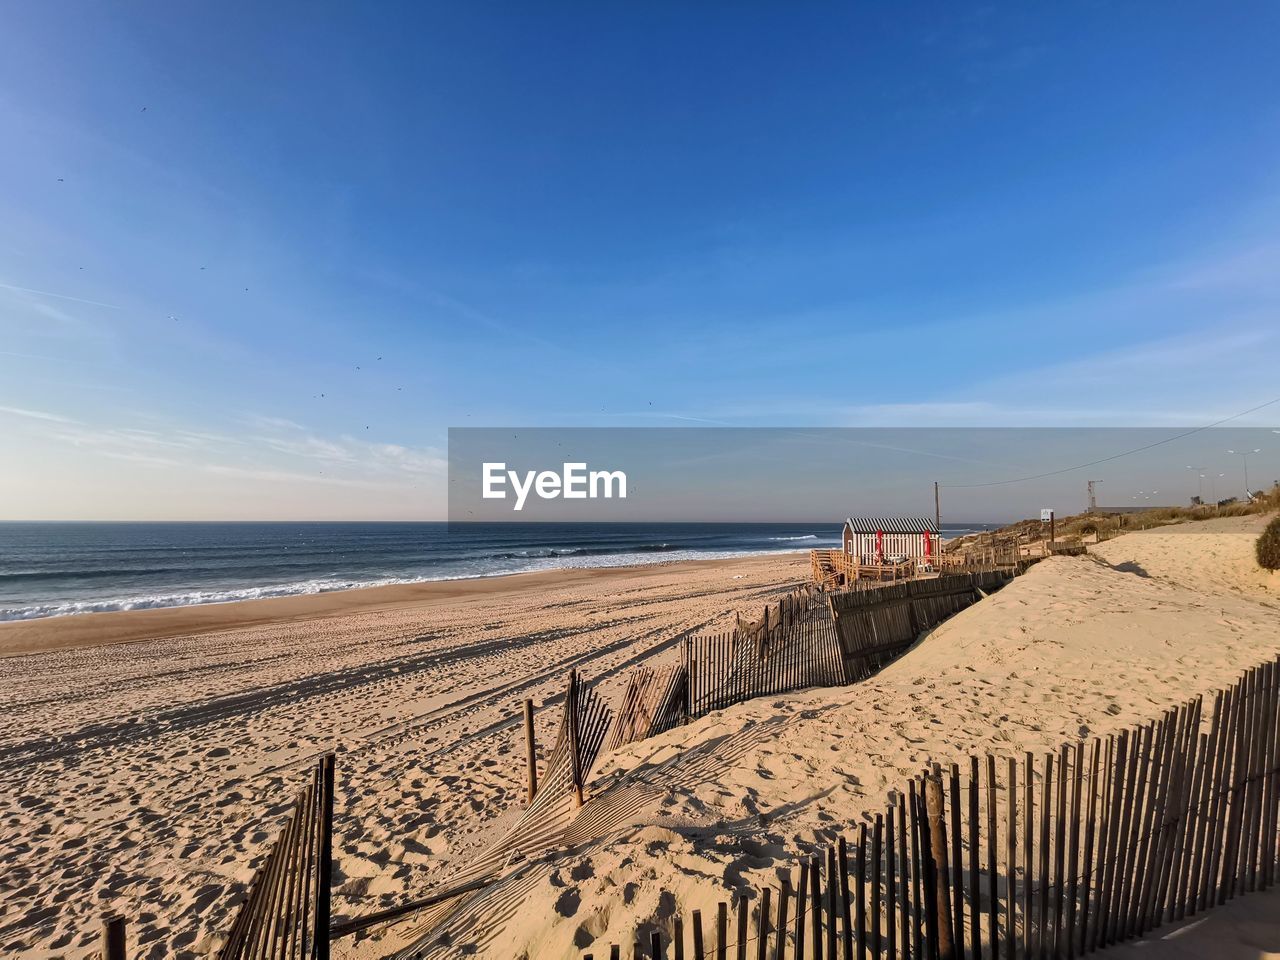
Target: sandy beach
{"points": [[152, 773], [146, 757]]}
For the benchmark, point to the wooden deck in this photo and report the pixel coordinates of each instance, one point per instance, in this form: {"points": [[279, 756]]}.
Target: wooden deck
{"points": [[834, 569]]}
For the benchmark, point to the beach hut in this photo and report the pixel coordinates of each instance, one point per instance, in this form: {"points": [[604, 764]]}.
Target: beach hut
{"points": [[876, 540]]}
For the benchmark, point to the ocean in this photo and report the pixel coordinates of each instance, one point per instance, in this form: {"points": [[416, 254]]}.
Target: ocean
{"points": [[57, 569]]}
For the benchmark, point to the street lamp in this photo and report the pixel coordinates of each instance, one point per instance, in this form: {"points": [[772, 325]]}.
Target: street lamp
{"points": [[1244, 456]]}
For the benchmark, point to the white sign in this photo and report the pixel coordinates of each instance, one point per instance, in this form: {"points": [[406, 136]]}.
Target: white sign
{"points": [[573, 483], [1046, 514]]}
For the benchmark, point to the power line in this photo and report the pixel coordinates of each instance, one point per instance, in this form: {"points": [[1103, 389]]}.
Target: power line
{"points": [[1117, 456]]}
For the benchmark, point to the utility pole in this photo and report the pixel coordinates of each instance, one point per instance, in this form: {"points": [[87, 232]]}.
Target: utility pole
{"points": [[937, 509]]}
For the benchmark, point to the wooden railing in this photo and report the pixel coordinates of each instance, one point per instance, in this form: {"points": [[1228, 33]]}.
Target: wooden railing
{"points": [[835, 569]]}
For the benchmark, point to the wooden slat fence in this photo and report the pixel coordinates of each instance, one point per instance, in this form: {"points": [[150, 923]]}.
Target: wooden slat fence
{"points": [[725, 669], [778, 618], [561, 792], [654, 702], [1057, 856], [824, 640], [876, 626], [285, 913]]}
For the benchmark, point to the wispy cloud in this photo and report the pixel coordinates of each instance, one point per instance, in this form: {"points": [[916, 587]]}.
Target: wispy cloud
{"points": [[60, 296], [261, 422], [282, 451], [37, 415], [292, 439]]}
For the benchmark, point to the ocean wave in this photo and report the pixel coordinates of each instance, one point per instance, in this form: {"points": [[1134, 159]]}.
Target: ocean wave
{"points": [[807, 536], [476, 568], [192, 598], [584, 551]]}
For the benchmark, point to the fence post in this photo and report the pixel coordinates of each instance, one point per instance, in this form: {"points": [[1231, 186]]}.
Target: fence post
{"points": [[530, 751], [324, 861], [113, 937], [938, 866], [571, 717]]}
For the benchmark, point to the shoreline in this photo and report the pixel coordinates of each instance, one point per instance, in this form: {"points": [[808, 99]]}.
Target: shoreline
{"points": [[73, 631]]}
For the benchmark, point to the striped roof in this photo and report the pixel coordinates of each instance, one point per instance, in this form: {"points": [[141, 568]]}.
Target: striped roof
{"points": [[891, 524]]}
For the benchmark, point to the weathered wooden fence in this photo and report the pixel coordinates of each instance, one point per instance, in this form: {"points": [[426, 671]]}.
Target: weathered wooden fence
{"points": [[285, 912], [725, 669], [1060, 856], [655, 701], [837, 570], [834, 639], [875, 626], [779, 617], [561, 793]]}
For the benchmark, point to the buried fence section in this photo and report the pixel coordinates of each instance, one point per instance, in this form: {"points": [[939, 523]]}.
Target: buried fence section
{"points": [[875, 626], [1090, 845], [285, 913], [810, 641]]}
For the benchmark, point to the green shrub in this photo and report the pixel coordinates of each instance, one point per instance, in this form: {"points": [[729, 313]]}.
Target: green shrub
{"points": [[1269, 546]]}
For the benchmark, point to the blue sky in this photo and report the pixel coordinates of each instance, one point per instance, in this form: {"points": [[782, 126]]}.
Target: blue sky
{"points": [[336, 230]]}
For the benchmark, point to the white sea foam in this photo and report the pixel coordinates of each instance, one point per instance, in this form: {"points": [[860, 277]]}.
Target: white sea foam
{"points": [[530, 564]]}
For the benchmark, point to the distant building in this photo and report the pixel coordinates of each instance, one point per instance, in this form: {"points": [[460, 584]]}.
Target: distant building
{"points": [[872, 540]]}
